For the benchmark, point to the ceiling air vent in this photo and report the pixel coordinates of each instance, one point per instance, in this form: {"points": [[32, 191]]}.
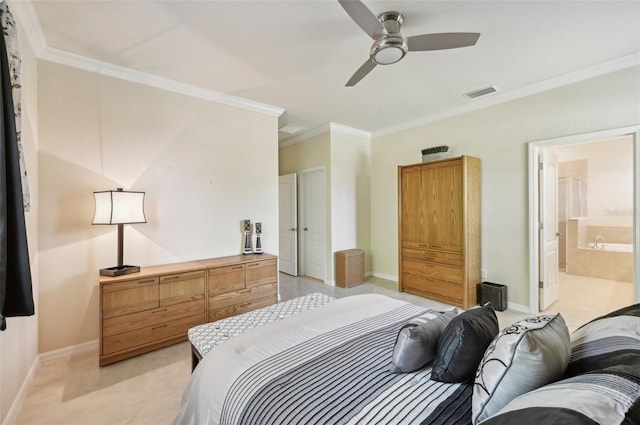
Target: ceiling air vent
{"points": [[481, 92], [290, 129]]}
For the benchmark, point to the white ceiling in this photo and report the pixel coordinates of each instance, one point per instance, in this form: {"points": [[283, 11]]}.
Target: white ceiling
{"points": [[298, 55]]}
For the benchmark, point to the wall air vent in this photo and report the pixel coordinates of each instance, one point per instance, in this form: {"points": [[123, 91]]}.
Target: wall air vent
{"points": [[481, 92]]}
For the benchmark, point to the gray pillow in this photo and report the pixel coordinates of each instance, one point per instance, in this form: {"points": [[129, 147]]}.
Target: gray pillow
{"points": [[416, 342], [524, 356]]}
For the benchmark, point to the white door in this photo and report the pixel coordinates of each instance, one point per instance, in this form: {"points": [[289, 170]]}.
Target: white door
{"points": [[313, 225], [288, 207], [548, 178]]}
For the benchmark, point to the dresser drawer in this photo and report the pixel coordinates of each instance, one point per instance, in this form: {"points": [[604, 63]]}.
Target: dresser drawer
{"points": [[156, 316], [243, 307], [149, 334], [449, 292], [181, 287], [450, 258], [432, 270], [129, 296], [261, 272], [242, 296], [226, 279]]}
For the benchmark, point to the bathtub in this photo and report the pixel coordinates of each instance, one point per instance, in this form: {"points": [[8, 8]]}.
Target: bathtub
{"points": [[613, 261], [615, 247]]}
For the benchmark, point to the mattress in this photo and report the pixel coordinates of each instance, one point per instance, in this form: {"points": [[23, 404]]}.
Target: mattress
{"points": [[327, 365]]}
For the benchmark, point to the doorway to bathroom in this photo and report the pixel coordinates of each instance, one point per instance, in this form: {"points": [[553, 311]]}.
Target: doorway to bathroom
{"points": [[593, 192]]}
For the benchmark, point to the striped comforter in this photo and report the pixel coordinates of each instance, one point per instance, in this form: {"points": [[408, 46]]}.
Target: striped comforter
{"points": [[329, 365]]}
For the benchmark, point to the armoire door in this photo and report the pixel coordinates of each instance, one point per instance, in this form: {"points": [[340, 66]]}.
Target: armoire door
{"points": [[445, 207], [413, 199]]}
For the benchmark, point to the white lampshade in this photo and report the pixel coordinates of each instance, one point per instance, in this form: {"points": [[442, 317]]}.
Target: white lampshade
{"points": [[119, 207]]}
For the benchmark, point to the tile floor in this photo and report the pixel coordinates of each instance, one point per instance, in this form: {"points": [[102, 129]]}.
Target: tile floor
{"points": [[583, 298], [147, 389]]}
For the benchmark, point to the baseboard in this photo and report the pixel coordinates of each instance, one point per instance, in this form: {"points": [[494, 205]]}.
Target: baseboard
{"points": [[12, 415], [517, 307], [67, 351], [385, 276]]}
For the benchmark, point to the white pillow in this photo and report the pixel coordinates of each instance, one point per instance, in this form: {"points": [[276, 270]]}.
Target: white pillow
{"points": [[527, 355]]}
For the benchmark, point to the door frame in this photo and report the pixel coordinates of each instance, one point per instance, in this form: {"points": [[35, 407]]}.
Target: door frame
{"points": [[302, 237], [534, 202]]}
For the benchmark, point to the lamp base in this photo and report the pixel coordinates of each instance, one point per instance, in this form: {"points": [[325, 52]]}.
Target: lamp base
{"points": [[119, 270]]}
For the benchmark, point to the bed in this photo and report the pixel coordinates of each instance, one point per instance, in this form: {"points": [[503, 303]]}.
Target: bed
{"points": [[316, 360], [328, 365]]}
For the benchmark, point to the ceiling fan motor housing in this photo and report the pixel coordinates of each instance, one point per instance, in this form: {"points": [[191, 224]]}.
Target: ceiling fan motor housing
{"points": [[392, 46]]}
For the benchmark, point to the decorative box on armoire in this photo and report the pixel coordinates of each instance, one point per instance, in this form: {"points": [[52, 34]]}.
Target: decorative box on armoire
{"points": [[439, 230]]}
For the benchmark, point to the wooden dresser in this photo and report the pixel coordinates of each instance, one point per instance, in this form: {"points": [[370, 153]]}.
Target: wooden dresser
{"points": [[154, 308], [439, 230]]}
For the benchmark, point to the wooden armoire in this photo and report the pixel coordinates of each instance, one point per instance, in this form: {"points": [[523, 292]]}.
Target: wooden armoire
{"points": [[439, 230]]}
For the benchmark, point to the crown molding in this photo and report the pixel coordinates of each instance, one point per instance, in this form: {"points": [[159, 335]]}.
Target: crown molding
{"points": [[351, 131], [330, 127], [28, 19], [324, 128], [502, 97], [103, 68]]}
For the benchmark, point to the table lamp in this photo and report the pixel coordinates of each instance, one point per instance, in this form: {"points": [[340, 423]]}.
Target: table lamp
{"points": [[119, 207]]}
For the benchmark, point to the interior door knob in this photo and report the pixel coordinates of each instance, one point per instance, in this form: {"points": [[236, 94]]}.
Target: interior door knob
{"points": [[306, 228], [293, 229]]}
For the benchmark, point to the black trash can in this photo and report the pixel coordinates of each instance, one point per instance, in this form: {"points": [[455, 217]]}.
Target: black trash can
{"points": [[494, 293]]}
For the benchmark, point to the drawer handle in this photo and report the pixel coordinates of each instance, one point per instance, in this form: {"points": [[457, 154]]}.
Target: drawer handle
{"points": [[436, 246], [245, 291], [253, 265], [174, 277], [146, 281], [159, 327], [244, 305], [236, 268], [159, 311]]}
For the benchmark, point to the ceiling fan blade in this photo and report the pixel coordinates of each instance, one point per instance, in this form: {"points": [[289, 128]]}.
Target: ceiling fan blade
{"points": [[361, 73], [363, 17], [441, 41]]}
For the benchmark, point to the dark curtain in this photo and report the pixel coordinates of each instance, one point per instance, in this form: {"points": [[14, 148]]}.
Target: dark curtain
{"points": [[16, 295]]}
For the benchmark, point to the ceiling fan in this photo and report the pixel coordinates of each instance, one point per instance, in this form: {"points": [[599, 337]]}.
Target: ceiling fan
{"points": [[389, 46]]}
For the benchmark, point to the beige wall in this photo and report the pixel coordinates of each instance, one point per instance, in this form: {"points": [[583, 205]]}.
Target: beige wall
{"points": [[499, 136], [350, 191], [609, 180], [311, 153], [204, 167], [314, 152], [19, 343], [346, 160]]}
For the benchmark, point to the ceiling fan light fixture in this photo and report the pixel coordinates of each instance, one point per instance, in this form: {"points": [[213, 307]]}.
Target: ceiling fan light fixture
{"points": [[388, 50]]}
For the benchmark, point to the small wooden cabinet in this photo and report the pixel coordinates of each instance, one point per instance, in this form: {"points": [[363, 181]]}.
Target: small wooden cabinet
{"points": [[439, 229], [155, 307]]}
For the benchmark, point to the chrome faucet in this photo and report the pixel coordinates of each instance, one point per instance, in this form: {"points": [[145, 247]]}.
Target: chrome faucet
{"points": [[598, 238]]}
